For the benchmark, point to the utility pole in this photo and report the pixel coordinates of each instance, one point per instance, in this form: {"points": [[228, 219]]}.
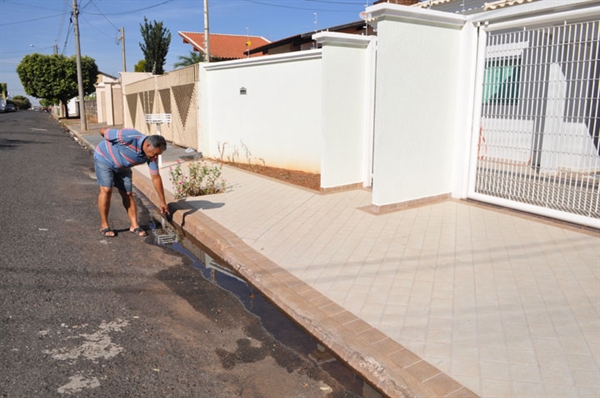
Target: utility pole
{"points": [[206, 32], [79, 73], [122, 40]]}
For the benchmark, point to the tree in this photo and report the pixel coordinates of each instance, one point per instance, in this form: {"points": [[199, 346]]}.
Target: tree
{"points": [[54, 77], [188, 60], [156, 46], [140, 66], [47, 103], [21, 102], [3, 90]]}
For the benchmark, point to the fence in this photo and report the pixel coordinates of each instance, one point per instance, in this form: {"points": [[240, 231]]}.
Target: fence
{"points": [[538, 140]]}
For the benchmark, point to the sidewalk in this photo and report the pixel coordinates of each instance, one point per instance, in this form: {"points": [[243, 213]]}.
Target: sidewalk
{"points": [[450, 299]]}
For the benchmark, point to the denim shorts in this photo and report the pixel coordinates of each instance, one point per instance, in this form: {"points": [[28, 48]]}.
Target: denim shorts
{"points": [[107, 177]]}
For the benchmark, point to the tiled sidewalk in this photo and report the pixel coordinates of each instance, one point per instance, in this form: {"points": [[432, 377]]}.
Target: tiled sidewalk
{"points": [[505, 304]]}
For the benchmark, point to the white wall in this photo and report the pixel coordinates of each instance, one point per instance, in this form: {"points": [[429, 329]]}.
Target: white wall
{"points": [[346, 108], [278, 120], [417, 97]]}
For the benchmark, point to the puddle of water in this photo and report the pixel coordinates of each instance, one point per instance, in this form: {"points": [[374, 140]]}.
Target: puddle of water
{"points": [[275, 321]]}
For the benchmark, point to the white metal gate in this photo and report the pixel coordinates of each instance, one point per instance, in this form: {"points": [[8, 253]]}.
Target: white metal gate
{"points": [[537, 135]]}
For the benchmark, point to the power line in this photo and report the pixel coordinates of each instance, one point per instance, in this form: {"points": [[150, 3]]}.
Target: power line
{"points": [[356, 3], [25, 51], [293, 7], [136, 10], [89, 23], [67, 38], [109, 21], [26, 4], [31, 20], [61, 25]]}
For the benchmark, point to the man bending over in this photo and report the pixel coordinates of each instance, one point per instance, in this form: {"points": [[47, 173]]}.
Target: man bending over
{"points": [[114, 157]]}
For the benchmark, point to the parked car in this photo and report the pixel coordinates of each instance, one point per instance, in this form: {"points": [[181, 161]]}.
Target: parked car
{"points": [[10, 108]]}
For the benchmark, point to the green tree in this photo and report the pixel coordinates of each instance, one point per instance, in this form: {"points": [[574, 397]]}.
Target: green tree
{"points": [[3, 90], [188, 60], [140, 66], [47, 103], [54, 77], [21, 102], [156, 46]]}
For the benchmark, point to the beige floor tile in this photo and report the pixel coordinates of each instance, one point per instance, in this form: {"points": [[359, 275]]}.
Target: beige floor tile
{"points": [[561, 391], [588, 391], [528, 390], [586, 378], [438, 350], [525, 373], [470, 368], [494, 388]]}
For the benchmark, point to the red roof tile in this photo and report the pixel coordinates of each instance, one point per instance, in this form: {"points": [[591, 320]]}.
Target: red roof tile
{"points": [[224, 46]]}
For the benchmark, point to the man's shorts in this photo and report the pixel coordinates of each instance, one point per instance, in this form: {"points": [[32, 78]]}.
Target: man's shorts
{"points": [[107, 177]]}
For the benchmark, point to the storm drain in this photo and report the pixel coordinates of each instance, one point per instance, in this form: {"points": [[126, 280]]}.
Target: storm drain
{"points": [[165, 238], [164, 235]]}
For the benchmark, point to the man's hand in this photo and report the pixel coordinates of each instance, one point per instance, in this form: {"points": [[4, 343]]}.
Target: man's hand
{"points": [[158, 186], [164, 209]]}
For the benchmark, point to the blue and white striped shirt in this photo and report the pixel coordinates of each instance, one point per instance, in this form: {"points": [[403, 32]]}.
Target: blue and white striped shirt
{"points": [[123, 148]]}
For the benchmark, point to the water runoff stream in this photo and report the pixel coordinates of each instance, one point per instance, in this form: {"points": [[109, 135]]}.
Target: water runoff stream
{"points": [[275, 321]]}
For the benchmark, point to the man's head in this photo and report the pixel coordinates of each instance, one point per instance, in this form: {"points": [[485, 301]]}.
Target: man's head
{"points": [[153, 146]]}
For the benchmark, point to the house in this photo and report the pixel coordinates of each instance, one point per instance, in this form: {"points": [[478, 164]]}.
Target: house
{"points": [[109, 102], [224, 47], [304, 41], [467, 7]]}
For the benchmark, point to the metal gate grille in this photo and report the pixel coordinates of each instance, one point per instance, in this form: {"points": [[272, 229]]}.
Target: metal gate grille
{"points": [[538, 137]]}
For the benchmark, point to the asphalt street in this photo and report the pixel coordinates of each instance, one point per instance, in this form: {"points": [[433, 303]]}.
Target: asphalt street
{"points": [[84, 315]]}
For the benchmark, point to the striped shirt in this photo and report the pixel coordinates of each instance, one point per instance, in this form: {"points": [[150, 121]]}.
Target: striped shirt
{"points": [[122, 149]]}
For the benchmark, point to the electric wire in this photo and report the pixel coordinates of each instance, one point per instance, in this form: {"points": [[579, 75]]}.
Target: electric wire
{"points": [[105, 17], [31, 20], [136, 10], [355, 3], [68, 33], [292, 7]]}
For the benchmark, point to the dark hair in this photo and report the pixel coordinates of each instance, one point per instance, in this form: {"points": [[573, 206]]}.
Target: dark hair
{"points": [[157, 141]]}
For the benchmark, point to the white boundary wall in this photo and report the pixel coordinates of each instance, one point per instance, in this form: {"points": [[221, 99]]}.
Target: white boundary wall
{"points": [[347, 108], [417, 115], [277, 120]]}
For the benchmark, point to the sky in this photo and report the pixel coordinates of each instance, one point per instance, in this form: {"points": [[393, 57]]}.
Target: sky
{"points": [[43, 26]]}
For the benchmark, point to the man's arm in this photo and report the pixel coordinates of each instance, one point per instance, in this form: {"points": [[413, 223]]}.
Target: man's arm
{"points": [[158, 186]]}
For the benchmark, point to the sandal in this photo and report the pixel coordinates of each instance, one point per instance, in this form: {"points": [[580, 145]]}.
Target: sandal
{"points": [[139, 231], [108, 232]]}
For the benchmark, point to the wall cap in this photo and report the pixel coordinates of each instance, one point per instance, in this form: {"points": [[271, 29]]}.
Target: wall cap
{"points": [[343, 39], [414, 14], [264, 60]]}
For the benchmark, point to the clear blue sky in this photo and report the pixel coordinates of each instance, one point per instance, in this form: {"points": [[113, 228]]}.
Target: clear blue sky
{"points": [[29, 26]]}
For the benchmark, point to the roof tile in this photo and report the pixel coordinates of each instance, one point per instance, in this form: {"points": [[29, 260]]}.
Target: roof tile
{"points": [[224, 46]]}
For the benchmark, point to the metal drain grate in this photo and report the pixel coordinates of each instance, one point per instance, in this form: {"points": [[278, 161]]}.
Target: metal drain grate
{"points": [[165, 237]]}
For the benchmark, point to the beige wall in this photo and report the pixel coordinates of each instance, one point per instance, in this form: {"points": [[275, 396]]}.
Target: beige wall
{"points": [[173, 93]]}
